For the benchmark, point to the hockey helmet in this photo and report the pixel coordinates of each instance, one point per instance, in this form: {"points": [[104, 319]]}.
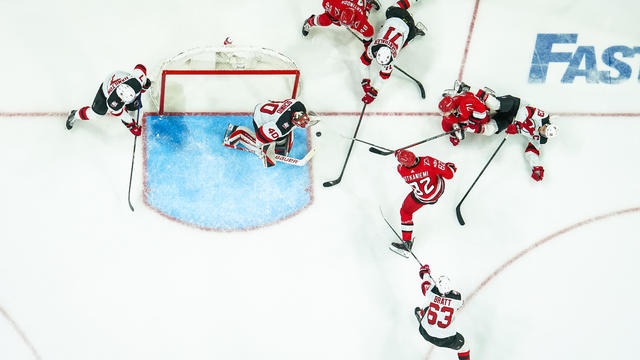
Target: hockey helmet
{"points": [[551, 130], [300, 119], [347, 16], [444, 284], [447, 105], [126, 93], [383, 55], [406, 158]]}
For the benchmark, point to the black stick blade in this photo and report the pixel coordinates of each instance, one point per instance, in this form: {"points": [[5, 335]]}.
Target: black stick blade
{"points": [[375, 150], [459, 215], [422, 92], [332, 182]]}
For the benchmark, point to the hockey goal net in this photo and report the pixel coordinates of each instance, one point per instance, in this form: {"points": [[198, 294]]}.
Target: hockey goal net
{"points": [[225, 79]]}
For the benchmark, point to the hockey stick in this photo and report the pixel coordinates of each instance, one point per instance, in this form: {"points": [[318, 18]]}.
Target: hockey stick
{"points": [[281, 158], [389, 152], [422, 92], [383, 149], [133, 156], [458, 213], [336, 181], [398, 236]]}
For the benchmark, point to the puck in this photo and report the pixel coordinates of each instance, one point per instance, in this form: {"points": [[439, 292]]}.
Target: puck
{"points": [[318, 133]]}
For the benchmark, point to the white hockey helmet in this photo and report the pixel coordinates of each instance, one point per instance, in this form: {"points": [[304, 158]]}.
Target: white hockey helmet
{"points": [[383, 55], [551, 130], [444, 284], [126, 93]]}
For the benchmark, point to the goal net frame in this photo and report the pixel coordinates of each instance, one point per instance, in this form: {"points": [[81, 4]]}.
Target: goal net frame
{"points": [[223, 61]]}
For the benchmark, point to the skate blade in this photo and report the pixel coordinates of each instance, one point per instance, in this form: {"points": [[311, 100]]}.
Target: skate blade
{"points": [[402, 253]]}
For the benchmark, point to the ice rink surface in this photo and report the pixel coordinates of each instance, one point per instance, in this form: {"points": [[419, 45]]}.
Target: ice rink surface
{"points": [[547, 268]]}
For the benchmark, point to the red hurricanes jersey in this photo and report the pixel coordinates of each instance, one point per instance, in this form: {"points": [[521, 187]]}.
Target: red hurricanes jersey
{"points": [[469, 109], [360, 24], [427, 178]]}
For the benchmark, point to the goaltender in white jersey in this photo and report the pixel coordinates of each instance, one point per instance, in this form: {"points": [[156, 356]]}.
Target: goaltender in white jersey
{"points": [[436, 320], [273, 124]]}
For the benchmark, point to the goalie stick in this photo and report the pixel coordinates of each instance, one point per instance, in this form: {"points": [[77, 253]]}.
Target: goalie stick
{"points": [[133, 156], [336, 181], [382, 151], [281, 158], [399, 238], [458, 213]]}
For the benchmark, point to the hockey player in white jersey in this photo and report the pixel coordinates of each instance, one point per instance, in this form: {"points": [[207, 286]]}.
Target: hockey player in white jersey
{"points": [[535, 125], [118, 94], [436, 320], [398, 30], [273, 124]]}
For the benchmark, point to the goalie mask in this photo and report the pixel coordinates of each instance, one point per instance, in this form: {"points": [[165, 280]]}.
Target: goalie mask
{"points": [[406, 158], [126, 93], [300, 119], [444, 285], [383, 55]]}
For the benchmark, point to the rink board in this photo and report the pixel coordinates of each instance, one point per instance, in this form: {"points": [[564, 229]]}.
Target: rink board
{"points": [[192, 178]]}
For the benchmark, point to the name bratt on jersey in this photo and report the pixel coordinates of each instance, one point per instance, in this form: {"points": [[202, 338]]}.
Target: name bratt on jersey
{"points": [[442, 301], [610, 59]]}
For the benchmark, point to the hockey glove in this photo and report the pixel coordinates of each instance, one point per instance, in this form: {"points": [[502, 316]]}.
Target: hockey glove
{"points": [[146, 86], [513, 128], [424, 270], [370, 96], [454, 140], [452, 166], [537, 173], [366, 84], [133, 127], [419, 313]]}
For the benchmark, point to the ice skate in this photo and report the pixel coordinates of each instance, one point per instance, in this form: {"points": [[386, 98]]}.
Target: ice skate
{"points": [[71, 119], [421, 30], [306, 26], [402, 248]]}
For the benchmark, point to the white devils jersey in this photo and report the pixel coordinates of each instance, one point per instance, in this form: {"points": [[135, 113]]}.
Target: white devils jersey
{"points": [[136, 80], [438, 317], [394, 34], [272, 119], [531, 119]]}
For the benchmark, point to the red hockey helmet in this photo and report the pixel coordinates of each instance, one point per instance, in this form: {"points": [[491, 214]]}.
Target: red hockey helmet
{"points": [[447, 105], [347, 16], [406, 158]]}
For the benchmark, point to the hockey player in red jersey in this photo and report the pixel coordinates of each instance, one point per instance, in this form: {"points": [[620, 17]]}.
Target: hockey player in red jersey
{"points": [[511, 114], [436, 320], [463, 112], [118, 94], [273, 124], [426, 177], [398, 30], [350, 13]]}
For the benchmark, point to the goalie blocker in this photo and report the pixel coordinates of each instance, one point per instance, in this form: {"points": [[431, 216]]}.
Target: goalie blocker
{"points": [[272, 138]]}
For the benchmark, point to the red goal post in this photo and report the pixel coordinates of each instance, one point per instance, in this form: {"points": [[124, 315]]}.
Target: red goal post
{"points": [[223, 80]]}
